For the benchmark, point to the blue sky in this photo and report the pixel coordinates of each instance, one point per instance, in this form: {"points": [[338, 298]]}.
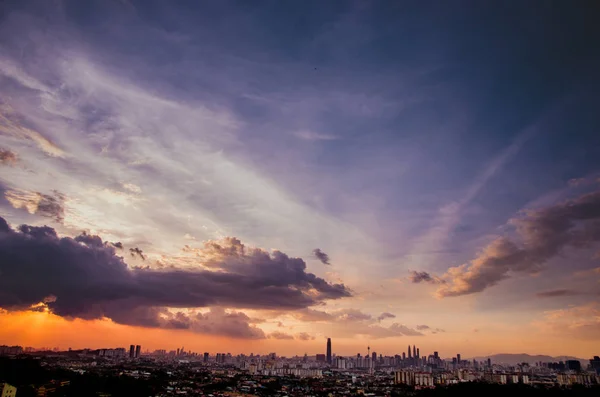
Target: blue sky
{"points": [[394, 136]]}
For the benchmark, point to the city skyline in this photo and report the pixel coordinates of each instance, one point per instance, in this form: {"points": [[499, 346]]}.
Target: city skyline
{"points": [[264, 176]]}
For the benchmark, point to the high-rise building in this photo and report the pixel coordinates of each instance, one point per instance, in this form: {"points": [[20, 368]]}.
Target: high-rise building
{"points": [[573, 365], [489, 363], [328, 350], [409, 354], [458, 358], [418, 353], [206, 357], [595, 364], [138, 350], [414, 351], [403, 356], [131, 351], [374, 357]]}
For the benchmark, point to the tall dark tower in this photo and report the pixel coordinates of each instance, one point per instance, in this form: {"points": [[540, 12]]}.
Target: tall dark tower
{"points": [[329, 350], [131, 351], [414, 351], [418, 353], [409, 354]]}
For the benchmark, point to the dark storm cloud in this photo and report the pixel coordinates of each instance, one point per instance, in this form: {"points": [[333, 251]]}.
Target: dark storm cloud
{"points": [[544, 234], [320, 255], [118, 245], [555, 293], [89, 281], [423, 277], [385, 315], [7, 157]]}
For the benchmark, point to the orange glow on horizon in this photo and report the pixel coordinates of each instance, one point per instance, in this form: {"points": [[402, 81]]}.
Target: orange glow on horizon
{"points": [[41, 329]]}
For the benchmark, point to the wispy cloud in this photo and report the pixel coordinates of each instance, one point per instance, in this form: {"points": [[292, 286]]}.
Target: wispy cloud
{"points": [[314, 136], [556, 293], [424, 277], [7, 157]]}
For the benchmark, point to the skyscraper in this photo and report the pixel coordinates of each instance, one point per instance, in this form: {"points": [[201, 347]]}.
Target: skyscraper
{"points": [[138, 350], [329, 350], [418, 353], [414, 351], [206, 357], [458, 358], [374, 357], [131, 351], [409, 354]]}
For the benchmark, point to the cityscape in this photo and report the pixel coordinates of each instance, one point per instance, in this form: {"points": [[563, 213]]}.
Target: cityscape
{"points": [[321, 374], [289, 198]]}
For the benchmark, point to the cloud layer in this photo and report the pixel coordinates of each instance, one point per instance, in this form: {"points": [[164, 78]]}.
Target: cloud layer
{"points": [[87, 279]]}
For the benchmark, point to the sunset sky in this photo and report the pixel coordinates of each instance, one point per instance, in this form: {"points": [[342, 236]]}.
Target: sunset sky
{"points": [[257, 176]]}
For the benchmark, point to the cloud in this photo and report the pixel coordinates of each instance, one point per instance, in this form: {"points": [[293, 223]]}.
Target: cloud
{"points": [[132, 187], [118, 245], [544, 233], [312, 315], [555, 293], [11, 127], [314, 136], [385, 315], [90, 281], [320, 255], [137, 252], [304, 336], [424, 327], [217, 321], [352, 315], [423, 277], [7, 157], [280, 335], [48, 205], [353, 322], [581, 322]]}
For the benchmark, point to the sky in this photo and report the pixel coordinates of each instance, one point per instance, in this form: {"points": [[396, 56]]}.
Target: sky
{"points": [[251, 177]]}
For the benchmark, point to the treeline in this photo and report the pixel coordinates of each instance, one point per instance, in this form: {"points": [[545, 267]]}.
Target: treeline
{"points": [[28, 375], [511, 390]]}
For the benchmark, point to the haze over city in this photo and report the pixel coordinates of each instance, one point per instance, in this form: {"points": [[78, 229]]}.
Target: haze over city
{"points": [[256, 177]]}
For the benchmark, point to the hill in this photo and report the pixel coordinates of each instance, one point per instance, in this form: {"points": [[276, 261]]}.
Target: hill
{"points": [[513, 359]]}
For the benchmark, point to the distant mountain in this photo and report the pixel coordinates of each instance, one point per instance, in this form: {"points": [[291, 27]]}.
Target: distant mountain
{"points": [[513, 359]]}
